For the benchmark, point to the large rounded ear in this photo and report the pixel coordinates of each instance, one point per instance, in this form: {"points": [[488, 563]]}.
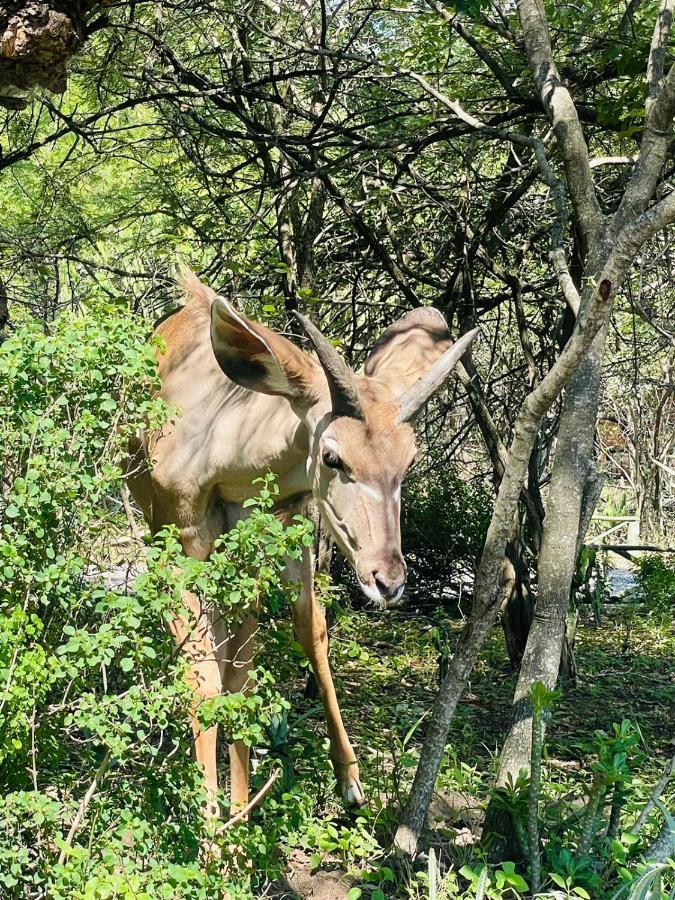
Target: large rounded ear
{"points": [[414, 356], [255, 357], [408, 348]]}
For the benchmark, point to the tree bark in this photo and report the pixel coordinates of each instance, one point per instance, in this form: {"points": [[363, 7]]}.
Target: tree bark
{"points": [[609, 246], [487, 592], [36, 42], [572, 469], [572, 475]]}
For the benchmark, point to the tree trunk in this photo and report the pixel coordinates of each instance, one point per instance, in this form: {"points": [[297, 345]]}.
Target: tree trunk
{"points": [[610, 245], [572, 471], [517, 606], [487, 592]]}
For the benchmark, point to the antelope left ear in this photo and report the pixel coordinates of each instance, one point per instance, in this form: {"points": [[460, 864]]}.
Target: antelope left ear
{"points": [[416, 396], [414, 356], [407, 349], [255, 357]]}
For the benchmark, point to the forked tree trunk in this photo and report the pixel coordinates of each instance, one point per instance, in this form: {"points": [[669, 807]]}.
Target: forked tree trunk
{"points": [[570, 478], [487, 590], [611, 244], [621, 236]]}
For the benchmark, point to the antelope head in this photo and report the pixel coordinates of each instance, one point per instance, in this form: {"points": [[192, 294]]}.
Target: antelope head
{"points": [[360, 425]]}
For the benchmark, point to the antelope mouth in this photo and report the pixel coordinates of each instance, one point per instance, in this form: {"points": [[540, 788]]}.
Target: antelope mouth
{"points": [[349, 548], [378, 600]]}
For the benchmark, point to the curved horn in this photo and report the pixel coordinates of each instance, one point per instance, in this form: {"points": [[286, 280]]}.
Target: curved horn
{"points": [[343, 390], [419, 393]]}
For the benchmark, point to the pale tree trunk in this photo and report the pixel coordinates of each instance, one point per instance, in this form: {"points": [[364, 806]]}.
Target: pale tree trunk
{"points": [[570, 477], [516, 605], [487, 590], [572, 481], [610, 245], [591, 495]]}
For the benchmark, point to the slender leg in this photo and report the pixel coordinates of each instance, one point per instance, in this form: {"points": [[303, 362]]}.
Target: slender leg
{"points": [[195, 637], [309, 621], [219, 660], [236, 652]]}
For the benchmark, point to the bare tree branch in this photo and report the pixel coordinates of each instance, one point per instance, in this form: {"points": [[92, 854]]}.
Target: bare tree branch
{"points": [[564, 118], [570, 292], [657, 52]]}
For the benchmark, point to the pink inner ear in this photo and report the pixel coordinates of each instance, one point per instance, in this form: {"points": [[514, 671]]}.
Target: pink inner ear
{"points": [[234, 328], [406, 359]]}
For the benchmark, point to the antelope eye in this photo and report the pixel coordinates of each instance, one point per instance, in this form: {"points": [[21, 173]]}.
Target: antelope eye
{"points": [[332, 460]]}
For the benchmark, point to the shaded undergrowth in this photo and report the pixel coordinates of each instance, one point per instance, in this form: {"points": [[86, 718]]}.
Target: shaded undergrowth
{"points": [[386, 667]]}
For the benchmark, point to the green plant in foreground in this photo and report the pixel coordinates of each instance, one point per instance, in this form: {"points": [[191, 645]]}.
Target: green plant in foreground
{"points": [[541, 699], [600, 856], [99, 795]]}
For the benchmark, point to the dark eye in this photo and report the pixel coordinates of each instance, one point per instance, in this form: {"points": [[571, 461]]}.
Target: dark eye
{"points": [[332, 460]]}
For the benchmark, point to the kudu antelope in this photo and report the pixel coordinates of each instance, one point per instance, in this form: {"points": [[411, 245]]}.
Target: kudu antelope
{"points": [[251, 401]]}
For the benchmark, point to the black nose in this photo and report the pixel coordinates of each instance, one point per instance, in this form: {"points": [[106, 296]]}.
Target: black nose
{"points": [[387, 585]]}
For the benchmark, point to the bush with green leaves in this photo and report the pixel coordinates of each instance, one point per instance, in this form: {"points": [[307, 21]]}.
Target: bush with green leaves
{"points": [[444, 523], [579, 849], [656, 578], [99, 795]]}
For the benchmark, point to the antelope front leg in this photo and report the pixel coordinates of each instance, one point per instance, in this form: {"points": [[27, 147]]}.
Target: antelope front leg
{"points": [[196, 641], [309, 622], [236, 652]]}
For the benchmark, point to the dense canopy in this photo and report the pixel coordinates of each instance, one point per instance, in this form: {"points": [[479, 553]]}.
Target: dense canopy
{"points": [[509, 164]]}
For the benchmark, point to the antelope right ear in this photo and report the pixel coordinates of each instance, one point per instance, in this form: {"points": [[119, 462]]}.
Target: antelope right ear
{"points": [[255, 357]]}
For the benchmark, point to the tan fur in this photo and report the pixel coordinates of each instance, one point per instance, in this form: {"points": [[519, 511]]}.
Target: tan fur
{"points": [[200, 470]]}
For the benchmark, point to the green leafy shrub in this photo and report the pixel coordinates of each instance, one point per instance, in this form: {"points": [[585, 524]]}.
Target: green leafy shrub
{"points": [[585, 851], [99, 795], [657, 583], [444, 523]]}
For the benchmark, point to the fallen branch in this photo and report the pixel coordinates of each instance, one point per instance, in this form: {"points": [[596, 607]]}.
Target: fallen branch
{"points": [[254, 801], [136, 532], [84, 805]]}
